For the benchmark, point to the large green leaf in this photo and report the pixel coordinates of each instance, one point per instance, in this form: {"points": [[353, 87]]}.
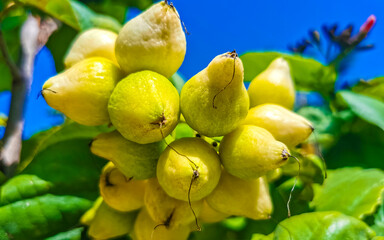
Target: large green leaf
{"points": [[70, 166], [353, 191], [379, 221], [307, 73], [322, 225], [41, 216], [22, 187], [74, 234], [373, 88], [367, 108], [67, 131], [60, 9]]}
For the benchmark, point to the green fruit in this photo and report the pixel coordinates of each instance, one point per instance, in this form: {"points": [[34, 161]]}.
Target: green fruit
{"points": [[188, 164], [109, 223], [82, 91], [273, 85], [154, 41], [167, 210], [215, 101], [119, 192], [210, 215], [144, 107], [132, 159], [250, 152], [235, 196], [146, 229], [285, 125], [92, 43]]}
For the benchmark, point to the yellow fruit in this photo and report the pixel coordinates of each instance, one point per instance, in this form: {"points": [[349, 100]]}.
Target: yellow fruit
{"points": [[194, 160], [167, 210], [144, 107], [82, 91], [146, 229], [285, 125], [119, 192], [109, 223], [92, 43], [273, 85], [235, 196], [89, 215], [250, 152], [210, 215], [132, 159], [154, 40], [215, 101]]}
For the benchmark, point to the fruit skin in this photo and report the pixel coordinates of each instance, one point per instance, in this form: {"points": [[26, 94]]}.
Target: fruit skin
{"points": [[285, 125], [164, 209], [145, 229], [210, 215], [109, 223], [119, 192], [154, 40], [250, 152], [144, 107], [82, 91], [94, 42], [215, 101], [273, 85], [235, 196], [175, 171], [132, 159]]}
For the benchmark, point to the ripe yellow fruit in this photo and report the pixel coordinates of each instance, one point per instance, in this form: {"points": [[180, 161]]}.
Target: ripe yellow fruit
{"points": [[154, 40], [273, 85], [82, 91], [176, 169], [119, 192], [285, 125], [250, 152], [144, 107], [94, 42], [215, 101], [235, 196], [210, 215]]}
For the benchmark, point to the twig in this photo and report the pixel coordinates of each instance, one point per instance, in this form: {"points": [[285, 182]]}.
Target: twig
{"points": [[33, 36]]}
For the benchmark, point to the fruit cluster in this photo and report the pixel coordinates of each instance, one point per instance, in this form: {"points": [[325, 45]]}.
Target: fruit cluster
{"points": [[175, 160]]}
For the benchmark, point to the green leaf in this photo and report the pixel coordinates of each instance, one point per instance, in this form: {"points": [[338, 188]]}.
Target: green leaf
{"points": [[178, 81], [322, 225], [235, 223], [22, 187], [41, 217], [367, 108], [307, 73], [74, 234], [379, 221], [258, 236], [311, 169], [60, 9], [67, 131], [89, 19], [6, 77], [70, 167], [373, 88], [353, 191]]}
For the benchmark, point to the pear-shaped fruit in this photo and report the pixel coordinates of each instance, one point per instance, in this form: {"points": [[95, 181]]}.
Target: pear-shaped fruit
{"points": [[285, 125], [94, 42], [273, 85], [167, 210], [147, 229], [188, 165], [210, 215], [235, 196], [154, 40], [215, 101], [109, 223], [250, 152], [119, 192], [90, 214], [144, 107], [132, 159], [82, 91]]}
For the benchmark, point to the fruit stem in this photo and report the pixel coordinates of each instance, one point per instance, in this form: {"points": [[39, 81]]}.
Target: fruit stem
{"points": [[294, 185], [195, 175]]}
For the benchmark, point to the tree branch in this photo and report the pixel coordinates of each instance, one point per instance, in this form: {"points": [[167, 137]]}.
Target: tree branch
{"points": [[33, 36]]}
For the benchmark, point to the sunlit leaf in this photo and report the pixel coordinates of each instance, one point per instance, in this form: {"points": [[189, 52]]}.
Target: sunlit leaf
{"points": [[373, 88]]}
